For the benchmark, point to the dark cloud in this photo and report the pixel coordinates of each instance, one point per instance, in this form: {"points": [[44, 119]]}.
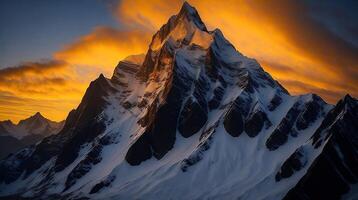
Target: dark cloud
{"points": [[312, 37], [33, 67], [36, 75]]}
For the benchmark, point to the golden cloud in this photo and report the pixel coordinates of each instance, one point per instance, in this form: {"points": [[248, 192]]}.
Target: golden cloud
{"points": [[276, 33], [54, 87], [298, 51], [36, 86], [103, 48], [30, 78]]}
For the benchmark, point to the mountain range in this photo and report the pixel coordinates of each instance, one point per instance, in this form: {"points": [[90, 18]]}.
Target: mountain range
{"points": [[193, 118], [27, 132]]}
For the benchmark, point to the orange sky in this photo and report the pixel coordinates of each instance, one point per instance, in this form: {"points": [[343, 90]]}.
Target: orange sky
{"points": [[299, 53]]}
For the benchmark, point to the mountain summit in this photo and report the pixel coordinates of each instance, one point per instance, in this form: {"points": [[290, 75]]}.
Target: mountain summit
{"points": [[27, 132], [33, 125], [195, 120]]}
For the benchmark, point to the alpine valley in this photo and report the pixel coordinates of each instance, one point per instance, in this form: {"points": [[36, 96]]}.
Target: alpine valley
{"points": [[193, 118]]}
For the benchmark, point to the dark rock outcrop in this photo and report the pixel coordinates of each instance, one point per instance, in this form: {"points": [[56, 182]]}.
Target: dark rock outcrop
{"points": [[335, 170], [92, 158], [235, 116], [298, 118], [255, 123], [192, 118], [294, 163], [87, 124], [280, 135], [233, 122], [214, 103], [105, 183], [310, 113], [275, 102], [161, 122], [206, 140], [140, 150]]}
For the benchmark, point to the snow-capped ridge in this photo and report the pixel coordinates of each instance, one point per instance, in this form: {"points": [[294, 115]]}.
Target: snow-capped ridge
{"points": [[333, 147], [189, 12], [195, 113], [33, 125], [27, 132], [181, 28]]}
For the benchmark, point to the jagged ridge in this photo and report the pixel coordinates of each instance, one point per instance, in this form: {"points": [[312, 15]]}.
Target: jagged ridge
{"points": [[195, 113]]}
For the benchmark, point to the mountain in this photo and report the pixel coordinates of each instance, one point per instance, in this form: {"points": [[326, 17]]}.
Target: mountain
{"points": [[27, 132], [335, 169], [191, 119], [9, 144]]}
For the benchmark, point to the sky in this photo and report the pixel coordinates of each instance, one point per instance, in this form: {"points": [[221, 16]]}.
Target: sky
{"points": [[51, 50]]}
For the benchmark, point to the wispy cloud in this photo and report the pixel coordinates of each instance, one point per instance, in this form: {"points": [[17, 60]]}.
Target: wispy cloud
{"points": [[292, 44], [56, 86], [104, 47], [276, 33]]}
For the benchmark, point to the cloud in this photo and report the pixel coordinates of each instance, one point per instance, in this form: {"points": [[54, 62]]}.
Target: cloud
{"points": [[56, 86], [276, 33], [33, 67], [145, 15], [32, 78], [35, 86], [104, 47], [310, 37], [289, 39], [20, 107]]}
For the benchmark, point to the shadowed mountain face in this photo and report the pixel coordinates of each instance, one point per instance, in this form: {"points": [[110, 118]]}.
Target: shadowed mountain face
{"points": [[191, 119], [27, 132], [335, 170]]}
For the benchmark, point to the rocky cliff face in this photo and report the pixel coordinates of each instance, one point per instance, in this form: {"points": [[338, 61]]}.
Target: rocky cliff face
{"points": [[192, 119], [334, 170]]}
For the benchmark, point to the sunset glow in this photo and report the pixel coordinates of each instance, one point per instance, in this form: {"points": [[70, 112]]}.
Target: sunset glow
{"points": [[302, 54]]}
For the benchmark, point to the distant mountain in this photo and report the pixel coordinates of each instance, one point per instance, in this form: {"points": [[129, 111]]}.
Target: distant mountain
{"points": [[192, 119], [27, 132]]}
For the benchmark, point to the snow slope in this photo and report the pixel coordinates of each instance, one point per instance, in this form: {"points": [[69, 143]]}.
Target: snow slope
{"points": [[191, 119]]}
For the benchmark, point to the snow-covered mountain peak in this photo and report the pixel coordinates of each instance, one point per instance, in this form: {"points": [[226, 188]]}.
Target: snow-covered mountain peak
{"points": [[36, 117], [195, 113], [191, 14], [181, 29], [27, 132], [37, 121], [185, 38], [33, 125]]}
